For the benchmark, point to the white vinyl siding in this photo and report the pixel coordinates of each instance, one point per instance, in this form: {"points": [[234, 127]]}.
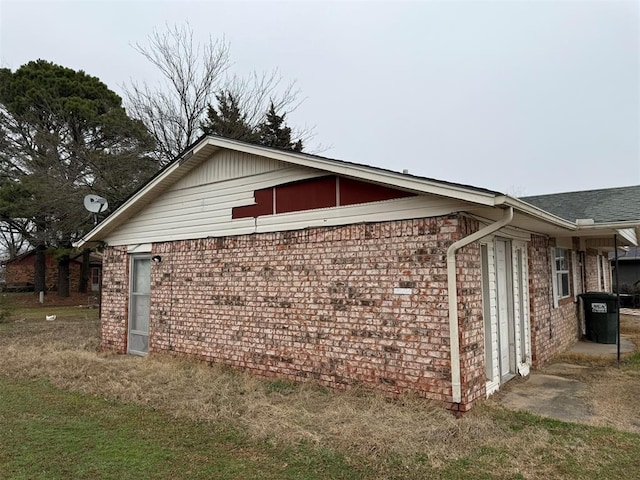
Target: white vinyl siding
{"points": [[190, 210], [228, 165]]}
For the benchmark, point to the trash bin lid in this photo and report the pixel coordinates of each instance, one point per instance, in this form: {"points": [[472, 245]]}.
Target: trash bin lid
{"points": [[598, 296]]}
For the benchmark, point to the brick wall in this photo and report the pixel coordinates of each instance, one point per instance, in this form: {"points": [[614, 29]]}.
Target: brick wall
{"points": [[552, 329], [115, 299], [317, 303], [470, 318], [594, 284]]}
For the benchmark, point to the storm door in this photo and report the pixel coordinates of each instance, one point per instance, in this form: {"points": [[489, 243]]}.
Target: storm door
{"points": [[139, 302], [505, 310]]}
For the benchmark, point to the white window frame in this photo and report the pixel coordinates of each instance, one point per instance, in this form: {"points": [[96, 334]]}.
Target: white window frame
{"points": [[559, 271], [562, 255]]}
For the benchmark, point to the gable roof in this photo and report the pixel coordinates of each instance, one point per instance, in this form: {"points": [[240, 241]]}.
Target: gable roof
{"points": [[602, 206], [206, 147]]}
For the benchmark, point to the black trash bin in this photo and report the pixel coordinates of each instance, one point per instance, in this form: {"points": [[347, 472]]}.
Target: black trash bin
{"points": [[601, 316]]}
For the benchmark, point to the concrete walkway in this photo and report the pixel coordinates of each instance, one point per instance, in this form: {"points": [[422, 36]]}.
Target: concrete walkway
{"points": [[549, 395], [587, 348], [552, 392]]}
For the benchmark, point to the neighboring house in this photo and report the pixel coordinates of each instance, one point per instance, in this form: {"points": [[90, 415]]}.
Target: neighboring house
{"points": [[19, 272], [303, 267], [629, 264]]}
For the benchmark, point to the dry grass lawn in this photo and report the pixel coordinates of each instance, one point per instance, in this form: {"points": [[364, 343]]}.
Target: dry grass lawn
{"points": [[356, 423], [65, 352]]}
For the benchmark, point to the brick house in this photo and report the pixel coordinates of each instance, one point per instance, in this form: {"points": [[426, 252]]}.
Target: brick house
{"points": [[20, 271], [303, 267]]}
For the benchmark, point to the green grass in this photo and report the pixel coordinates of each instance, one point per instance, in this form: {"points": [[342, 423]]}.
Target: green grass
{"points": [[633, 363], [48, 433], [53, 434]]}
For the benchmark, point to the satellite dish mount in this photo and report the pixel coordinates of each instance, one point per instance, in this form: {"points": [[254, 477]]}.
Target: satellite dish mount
{"points": [[95, 204]]}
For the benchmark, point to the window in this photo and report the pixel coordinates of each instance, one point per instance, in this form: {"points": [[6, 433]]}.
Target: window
{"points": [[562, 272], [95, 279]]}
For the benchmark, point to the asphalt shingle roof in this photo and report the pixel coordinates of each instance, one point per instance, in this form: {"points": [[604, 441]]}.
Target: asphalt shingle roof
{"points": [[606, 205]]}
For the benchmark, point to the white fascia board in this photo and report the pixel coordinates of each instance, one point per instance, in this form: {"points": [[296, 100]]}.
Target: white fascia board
{"points": [[627, 230], [400, 180]]}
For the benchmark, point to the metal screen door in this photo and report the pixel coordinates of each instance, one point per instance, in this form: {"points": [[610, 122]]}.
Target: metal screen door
{"points": [[139, 302], [504, 293]]}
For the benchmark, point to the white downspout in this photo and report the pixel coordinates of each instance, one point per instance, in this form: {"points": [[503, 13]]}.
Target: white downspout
{"points": [[452, 288]]}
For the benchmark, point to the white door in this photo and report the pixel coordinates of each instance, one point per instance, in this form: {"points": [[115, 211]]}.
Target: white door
{"points": [[139, 303], [504, 299]]}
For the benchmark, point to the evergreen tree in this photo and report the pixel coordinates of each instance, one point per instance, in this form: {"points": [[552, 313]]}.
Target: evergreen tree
{"points": [[64, 134], [275, 133], [228, 120]]}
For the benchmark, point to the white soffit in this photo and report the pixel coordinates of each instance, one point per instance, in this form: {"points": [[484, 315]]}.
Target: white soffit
{"points": [[629, 234]]}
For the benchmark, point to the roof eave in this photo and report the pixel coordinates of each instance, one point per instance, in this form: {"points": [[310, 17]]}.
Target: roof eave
{"points": [[535, 212], [207, 146], [629, 230]]}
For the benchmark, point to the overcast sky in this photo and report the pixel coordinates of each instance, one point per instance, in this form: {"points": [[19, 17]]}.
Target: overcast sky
{"points": [[523, 97]]}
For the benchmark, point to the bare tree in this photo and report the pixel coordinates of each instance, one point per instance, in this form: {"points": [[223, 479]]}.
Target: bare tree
{"points": [[172, 110], [192, 74], [258, 91]]}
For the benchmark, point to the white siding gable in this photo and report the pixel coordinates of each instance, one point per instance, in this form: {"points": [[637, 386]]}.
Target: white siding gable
{"points": [[226, 165], [200, 204]]}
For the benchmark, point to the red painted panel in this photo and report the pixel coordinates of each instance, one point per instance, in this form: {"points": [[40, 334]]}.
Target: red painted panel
{"points": [[263, 206], [315, 193], [306, 195], [355, 191]]}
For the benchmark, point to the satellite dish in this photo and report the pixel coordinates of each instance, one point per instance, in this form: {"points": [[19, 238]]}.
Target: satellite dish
{"points": [[95, 204]]}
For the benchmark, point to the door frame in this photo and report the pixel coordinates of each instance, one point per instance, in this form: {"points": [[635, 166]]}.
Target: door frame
{"points": [[517, 281], [133, 259], [505, 293]]}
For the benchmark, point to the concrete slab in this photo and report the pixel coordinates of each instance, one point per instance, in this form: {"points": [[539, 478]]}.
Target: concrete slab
{"points": [[586, 347], [551, 396]]}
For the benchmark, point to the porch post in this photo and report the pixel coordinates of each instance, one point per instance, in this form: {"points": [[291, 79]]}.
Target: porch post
{"points": [[615, 249]]}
